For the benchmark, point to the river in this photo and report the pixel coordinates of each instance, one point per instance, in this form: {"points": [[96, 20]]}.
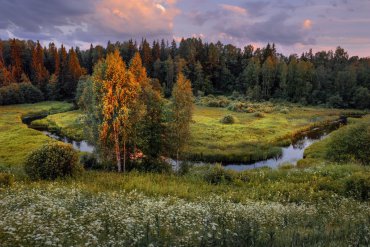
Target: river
{"points": [[290, 154]]}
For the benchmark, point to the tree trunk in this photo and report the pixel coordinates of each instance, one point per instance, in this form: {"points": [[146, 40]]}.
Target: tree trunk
{"points": [[118, 152], [177, 159], [124, 156]]}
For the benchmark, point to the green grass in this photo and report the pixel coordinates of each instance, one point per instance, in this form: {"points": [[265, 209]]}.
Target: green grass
{"points": [[66, 124], [16, 139], [251, 138], [310, 205]]}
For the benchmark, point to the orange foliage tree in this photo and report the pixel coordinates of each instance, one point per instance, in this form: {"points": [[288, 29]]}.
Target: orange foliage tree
{"points": [[120, 93]]}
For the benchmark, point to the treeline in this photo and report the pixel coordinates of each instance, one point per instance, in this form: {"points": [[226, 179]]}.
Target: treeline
{"points": [[329, 78]]}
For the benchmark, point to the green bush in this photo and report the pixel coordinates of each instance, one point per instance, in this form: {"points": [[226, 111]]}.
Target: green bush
{"points": [[19, 93], [6, 179], [149, 164], [228, 119], [217, 175], [358, 186], [53, 160], [184, 168], [258, 115], [90, 162], [351, 143]]}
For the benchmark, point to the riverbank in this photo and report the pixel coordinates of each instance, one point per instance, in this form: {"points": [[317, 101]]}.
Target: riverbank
{"points": [[16, 139], [252, 138]]}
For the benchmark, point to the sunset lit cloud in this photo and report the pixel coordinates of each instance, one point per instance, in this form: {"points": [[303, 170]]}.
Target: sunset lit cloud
{"points": [[234, 9], [307, 24], [293, 25]]}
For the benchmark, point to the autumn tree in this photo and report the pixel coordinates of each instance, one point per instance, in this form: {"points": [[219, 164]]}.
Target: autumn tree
{"points": [[119, 93], [75, 71], [40, 73], [182, 111], [16, 60]]}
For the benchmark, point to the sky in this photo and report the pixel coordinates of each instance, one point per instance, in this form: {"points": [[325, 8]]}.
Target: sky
{"points": [[294, 26]]}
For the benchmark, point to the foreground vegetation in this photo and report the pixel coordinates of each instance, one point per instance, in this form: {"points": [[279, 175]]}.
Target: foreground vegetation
{"points": [[54, 214], [317, 203]]}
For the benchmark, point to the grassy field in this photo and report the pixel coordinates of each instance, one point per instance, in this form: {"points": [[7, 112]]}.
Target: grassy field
{"points": [[16, 139], [65, 124], [313, 204], [251, 138]]}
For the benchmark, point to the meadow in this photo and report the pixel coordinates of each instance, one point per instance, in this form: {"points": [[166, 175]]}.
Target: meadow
{"points": [[17, 140], [316, 203], [253, 136]]}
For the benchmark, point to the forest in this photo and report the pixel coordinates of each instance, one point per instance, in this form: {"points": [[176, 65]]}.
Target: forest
{"points": [[183, 144], [326, 78]]}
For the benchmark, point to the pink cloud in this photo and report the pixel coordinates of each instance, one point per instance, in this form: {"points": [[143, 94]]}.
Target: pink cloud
{"points": [[234, 9], [136, 17]]}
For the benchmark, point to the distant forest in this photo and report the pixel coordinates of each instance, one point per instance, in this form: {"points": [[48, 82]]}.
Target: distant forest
{"points": [[30, 72]]}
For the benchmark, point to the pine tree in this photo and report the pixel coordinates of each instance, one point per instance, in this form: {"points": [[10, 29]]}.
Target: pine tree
{"points": [[75, 71], [16, 60], [40, 73]]}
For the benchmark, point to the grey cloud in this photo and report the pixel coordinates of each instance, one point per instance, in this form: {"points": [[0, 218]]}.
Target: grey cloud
{"points": [[275, 29]]}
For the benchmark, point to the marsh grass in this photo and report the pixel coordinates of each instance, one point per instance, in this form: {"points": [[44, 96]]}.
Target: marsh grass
{"points": [[17, 140]]}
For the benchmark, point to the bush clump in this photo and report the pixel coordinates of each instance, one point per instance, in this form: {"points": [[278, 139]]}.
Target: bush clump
{"points": [[53, 160], [351, 143], [258, 115], [19, 93], [228, 119], [217, 175], [358, 186], [6, 179]]}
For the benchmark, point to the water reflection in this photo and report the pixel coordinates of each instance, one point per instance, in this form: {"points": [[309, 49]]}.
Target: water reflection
{"points": [[290, 155], [82, 146]]}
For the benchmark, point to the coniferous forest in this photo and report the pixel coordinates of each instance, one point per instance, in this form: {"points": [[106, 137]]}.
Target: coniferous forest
{"points": [[327, 78]]}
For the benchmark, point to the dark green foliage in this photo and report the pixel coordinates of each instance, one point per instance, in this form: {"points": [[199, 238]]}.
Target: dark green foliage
{"points": [[352, 143], [228, 119], [217, 175], [6, 179], [90, 162], [20, 93], [148, 164], [358, 186], [51, 161], [326, 77]]}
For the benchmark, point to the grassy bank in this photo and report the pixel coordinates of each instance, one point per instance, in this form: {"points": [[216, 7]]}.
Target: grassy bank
{"points": [[65, 124], [252, 137], [17, 140]]}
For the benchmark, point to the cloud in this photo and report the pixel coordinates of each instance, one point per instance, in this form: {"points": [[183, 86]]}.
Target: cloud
{"points": [[234, 9], [71, 21], [275, 29], [307, 24]]}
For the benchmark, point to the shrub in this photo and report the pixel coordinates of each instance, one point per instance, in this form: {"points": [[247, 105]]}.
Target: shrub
{"points": [[350, 143], [228, 119], [358, 186], [6, 179], [217, 175], [20, 93], [53, 160], [284, 110], [148, 164], [184, 168], [89, 161], [258, 115]]}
